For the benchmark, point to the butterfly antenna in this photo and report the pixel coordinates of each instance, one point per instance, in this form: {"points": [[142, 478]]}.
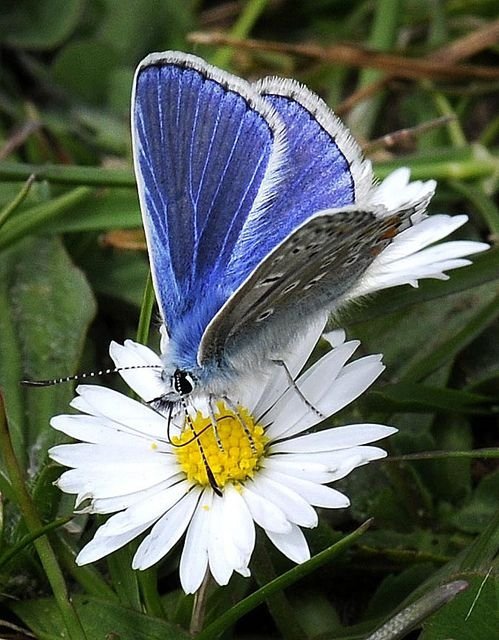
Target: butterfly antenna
{"points": [[83, 376], [209, 472], [168, 432]]}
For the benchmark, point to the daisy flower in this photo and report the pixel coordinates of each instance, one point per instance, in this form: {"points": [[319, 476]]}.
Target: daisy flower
{"points": [[410, 258], [269, 469]]}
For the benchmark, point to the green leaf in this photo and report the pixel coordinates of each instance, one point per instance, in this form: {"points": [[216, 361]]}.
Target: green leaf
{"points": [[413, 348], [30, 24], [30, 220], [100, 619], [474, 615], [107, 209], [47, 307], [481, 362], [284, 615], [415, 613], [65, 174], [411, 397], [123, 578], [472, 565], [448, 349]]}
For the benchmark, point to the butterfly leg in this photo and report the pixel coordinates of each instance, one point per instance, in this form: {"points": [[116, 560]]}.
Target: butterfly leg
{"points": [[243, 424], [214, 422], [293, 385]]}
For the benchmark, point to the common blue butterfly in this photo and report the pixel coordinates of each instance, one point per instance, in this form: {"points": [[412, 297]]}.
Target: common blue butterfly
{"points": [[257, 212]]}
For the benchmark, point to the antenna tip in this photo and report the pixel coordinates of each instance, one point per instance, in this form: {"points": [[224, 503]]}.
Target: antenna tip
{"points": [[34, 383]]}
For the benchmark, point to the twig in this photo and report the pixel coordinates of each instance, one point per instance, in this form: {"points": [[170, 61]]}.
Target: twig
{"points": [[404, 135], [18, 138], [351, 55], [460, 49], [468, 45]]}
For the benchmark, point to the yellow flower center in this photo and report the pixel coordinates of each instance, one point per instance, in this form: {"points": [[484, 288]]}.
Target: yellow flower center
{"points": [[232, 451]]}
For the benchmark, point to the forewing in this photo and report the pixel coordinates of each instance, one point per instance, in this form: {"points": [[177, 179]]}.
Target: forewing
{"points": [[307, 274], [205, 144], [325, 169]]}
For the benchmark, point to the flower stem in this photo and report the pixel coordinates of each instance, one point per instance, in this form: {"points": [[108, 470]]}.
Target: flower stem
{"points": [[47, 557], [199, 607]]}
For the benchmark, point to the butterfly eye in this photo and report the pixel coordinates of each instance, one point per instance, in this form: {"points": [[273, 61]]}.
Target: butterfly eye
{"points": [[183, 382]]}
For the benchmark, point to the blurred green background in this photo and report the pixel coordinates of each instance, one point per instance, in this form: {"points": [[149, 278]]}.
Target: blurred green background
{"points": [[73, 270]]}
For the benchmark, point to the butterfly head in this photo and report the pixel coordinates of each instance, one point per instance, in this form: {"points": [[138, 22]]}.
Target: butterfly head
{"points": [[181, 384]]}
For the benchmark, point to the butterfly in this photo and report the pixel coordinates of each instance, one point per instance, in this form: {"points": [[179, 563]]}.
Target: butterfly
{"points": [[257, 208]]}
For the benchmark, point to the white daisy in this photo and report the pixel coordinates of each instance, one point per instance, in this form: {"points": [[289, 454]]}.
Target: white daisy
{"points": [[409, 258], [269, 470]]}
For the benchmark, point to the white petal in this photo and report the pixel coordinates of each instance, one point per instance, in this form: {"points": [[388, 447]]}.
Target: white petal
{"points": [[238, 519], [298, 466], [406, 260], [228, 527], [96, 456], [118, 503], [351, 462], [194, 558], [334, 439], [314, 493], [336, 338], [100, 430], [294, 507], [100, 401], [338, 463], [396, 191], [166, 532], [147, 510], [218, 560], [431, 229], [292, 544], [102, 546], [112, 482], [265, 513], [146, 382]]}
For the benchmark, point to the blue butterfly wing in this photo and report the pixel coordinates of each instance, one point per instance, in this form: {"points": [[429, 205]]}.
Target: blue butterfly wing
{"points": [[302, 255], [325, 169], [207, 152]]}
